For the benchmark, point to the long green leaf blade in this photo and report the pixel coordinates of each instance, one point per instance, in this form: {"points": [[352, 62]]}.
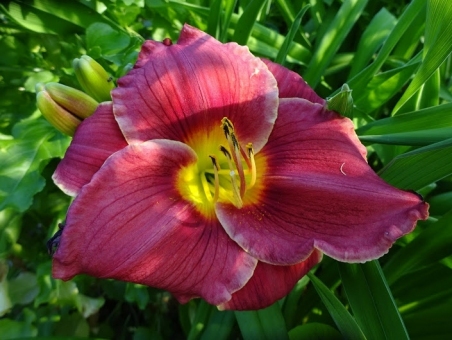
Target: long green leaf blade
{"points": [[267, 323], [344, 321], [431, 245], [416, 169], [332, 39], [371, 301], [247, 19]]}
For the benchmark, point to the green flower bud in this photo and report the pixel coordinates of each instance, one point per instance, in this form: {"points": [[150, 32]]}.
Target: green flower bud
{"points": [[63, 106], [93, 78], [342, 102]]}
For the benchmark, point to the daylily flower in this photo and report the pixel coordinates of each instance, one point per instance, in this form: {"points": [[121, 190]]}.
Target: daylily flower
{"points": [[215, 174]]}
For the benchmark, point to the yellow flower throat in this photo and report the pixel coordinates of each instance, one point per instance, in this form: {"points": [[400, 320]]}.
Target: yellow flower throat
{"points": [[222, 173]]}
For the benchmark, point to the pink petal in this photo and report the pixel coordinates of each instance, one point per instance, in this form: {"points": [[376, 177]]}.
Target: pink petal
{"points": [[319, 192], [130, 223], [177, 90], [96, 138], [291, 85], [270, 283]]}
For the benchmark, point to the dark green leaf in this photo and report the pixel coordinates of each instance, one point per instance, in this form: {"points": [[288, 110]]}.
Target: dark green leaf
{"points": [[267, 323], [344, 321], [371, 301]]}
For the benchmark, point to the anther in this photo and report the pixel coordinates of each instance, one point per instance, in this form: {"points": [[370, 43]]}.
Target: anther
{"points": [[216, 168], [235, 189], [249, 148], [234, 146]]}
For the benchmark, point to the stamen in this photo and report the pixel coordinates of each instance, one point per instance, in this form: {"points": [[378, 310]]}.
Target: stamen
{"points": [[217, 180], [205, 187], [235, 189], [250, 150], [234, 146]]}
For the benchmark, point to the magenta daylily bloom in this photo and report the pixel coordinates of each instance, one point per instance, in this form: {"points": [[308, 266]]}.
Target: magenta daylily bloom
{"points": [[215, 174]]}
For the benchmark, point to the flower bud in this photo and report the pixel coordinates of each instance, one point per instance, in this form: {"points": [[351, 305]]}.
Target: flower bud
{"points": [[93, 78], [63, 106], [342, 102]]}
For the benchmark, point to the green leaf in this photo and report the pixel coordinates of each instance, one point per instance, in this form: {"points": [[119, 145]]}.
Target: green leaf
{"points": [[416, 169], [247, 19], [383, 86], [267, 323], [436, 117], [200, 321], [23, 289], [219, 326], [34, 141], [314, 331], [371, 301], [432, 244], [10, 329], [337, 31], [373, 37], [73, 12], [284, 50], [109, 40], [438, 46], [138, 294], [228, 11], [419, 138], [213, 22], [38, 21], [415, 8], [344, 321]]}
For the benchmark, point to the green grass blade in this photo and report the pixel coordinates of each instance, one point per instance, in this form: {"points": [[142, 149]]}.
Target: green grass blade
{"points": [[38, 21], [284, 50], [339, 28], [416, 169], [213, 22], [435, 117], [314, 331], [344, 321], [415, 8], [412, 138], [267, 323], [229, 6], [73, 12], [373, 37], [371, 301], [247, 19], [431, 245], [429, 95], [200, 321], [438, 46], [220, 325]]}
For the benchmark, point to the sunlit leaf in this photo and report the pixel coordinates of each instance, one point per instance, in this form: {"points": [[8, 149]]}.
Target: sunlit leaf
{"points": [[35, 141], [415, 169]]}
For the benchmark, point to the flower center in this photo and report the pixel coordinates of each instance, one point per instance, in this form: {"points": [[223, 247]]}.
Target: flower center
{"points": [[225, 171]]}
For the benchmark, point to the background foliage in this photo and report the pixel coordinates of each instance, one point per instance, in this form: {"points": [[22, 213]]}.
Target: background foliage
{"points": [[394, 55]]}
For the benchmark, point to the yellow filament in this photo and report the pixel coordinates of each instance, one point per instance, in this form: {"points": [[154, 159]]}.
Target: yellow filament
{"points": [[250, 149], [234, 146], [217, 179], [205, 187], [235, 190]]}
